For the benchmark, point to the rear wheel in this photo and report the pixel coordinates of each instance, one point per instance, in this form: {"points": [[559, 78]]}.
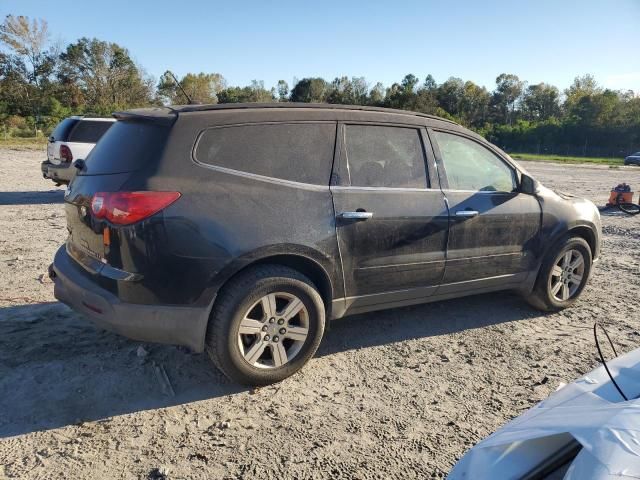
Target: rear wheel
{"points": [[265, 325], [563, 275]]}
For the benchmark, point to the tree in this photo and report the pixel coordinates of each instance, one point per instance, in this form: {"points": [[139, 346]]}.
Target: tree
{"points": [[310, 90], [200, 87], [403, 95], [254, 93], [409, 83], [28, 40], [283, 91], [376, 95], [429, 83], [508, 90], [449, 95], [541, 102], [473, 105], [26, 70], [578, 96], [105, 75], [348, 92]]}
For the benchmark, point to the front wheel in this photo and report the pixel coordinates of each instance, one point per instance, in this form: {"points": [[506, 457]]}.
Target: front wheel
{"points": [[563, 275], [266, 324]]}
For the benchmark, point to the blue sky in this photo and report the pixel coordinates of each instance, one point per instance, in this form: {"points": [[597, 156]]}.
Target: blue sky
{"points": [[542, 40]]}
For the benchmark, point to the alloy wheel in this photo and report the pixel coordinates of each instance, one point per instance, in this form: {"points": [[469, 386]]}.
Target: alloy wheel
{"points": [[566, 275], [273, 330]]}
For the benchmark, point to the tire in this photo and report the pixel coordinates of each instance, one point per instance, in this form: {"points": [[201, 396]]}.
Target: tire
{"points": [[543, 297], [246, 304]]}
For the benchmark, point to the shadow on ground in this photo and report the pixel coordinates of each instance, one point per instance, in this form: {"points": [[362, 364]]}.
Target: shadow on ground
{"points": [[32, 198], [56, 369]]}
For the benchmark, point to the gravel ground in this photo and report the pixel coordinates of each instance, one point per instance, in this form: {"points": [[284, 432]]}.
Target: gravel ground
{"points": [[401, 393]]}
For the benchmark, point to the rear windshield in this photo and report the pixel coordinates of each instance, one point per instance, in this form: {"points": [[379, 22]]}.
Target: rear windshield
{"points": [[127, 146], [87, 131], [61, 132]]}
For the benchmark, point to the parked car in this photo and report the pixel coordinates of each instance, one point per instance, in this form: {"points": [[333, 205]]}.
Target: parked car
{"points": [[633, 159], [72, 139], [242, 229]]}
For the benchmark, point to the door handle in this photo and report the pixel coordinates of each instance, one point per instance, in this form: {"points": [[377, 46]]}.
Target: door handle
{"points": [[467, 213], [356, 215]]}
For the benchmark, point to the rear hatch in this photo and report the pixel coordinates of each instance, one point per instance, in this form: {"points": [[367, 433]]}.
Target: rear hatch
{"points": [[122, 161]]}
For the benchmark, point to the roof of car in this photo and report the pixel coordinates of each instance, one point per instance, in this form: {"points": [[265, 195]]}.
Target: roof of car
{"points": [[173, 110]]}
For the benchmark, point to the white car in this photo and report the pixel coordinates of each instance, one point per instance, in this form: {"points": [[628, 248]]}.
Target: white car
{"points": [[71, 140], [633, 159]]}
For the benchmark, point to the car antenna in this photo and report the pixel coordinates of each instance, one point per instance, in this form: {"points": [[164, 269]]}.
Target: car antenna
{"points": [[191, 102]]}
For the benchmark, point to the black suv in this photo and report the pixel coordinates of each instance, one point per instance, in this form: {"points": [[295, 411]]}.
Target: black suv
{"points": [[242, 229]]}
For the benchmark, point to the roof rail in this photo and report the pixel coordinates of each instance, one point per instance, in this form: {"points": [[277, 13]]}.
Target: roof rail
{"points": [[232, 106]]}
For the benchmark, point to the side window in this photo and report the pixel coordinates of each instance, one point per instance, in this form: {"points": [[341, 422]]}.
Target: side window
{"points": [[385, 156], [470, 166], [300, 152]]}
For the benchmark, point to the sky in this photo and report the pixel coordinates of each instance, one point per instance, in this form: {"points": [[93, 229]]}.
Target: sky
{"points": [[549, 41]]}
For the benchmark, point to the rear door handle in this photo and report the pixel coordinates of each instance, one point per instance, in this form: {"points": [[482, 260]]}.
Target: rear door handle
{"points": [[467, 213], [356, 215]]}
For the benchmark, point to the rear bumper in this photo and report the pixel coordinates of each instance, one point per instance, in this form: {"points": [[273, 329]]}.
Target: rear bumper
{"points": [[62, 173], [149, 323]]}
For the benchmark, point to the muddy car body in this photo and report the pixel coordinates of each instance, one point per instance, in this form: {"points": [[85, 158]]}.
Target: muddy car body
{"points": [[240, 229]]}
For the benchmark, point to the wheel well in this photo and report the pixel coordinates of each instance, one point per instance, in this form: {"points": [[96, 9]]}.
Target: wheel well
{"points": [[587, 234], [307, 267]]}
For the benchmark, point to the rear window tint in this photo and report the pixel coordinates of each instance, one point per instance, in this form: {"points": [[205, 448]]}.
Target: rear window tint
{"points": [[61, 132], [127, 146], [87, 131], [299, 152]]}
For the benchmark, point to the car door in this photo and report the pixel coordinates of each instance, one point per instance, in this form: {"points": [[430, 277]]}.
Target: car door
{"points": [[493, 227], [391, 225]]}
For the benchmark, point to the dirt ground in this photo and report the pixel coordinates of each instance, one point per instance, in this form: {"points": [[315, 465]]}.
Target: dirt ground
{"points": [[395, 394]]}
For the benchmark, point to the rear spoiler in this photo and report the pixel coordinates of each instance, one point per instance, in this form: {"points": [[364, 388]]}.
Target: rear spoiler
{"points": [[159, 116]]}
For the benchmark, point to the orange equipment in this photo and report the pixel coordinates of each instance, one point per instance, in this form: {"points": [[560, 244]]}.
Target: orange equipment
{"points": [[620, 194]]}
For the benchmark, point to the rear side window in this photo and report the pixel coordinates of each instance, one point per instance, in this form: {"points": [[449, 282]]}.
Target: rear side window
{"points": [[380, 156], [87, 131], [127, 146], [300, 152], [61, 132]]}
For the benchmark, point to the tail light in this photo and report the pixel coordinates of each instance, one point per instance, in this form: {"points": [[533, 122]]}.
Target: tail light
{"points": [[65, 154], [125, 208]]}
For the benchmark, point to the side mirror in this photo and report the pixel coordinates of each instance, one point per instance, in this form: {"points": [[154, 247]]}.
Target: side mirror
{"points": [[527, 184]]}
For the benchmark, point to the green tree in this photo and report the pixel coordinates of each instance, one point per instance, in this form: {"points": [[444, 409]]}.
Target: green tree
{"points": [[506, 95], [310, 90], [376, 95], [449, 95], [26, 69], [200, 87], [403, 95], [541, 102], [283, 91], [28, 40], [473, 105], [105, 76], [348, 91], [254, 93]]}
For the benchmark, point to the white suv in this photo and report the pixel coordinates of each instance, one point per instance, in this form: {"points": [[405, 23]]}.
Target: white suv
{"points": [[71, 140]]}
